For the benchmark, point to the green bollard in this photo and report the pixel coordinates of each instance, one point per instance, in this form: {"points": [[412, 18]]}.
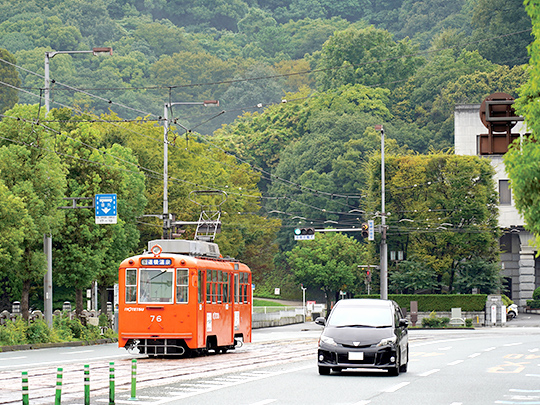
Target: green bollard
{"points": [[25, 388], [133, 380], [111, 383], [86, 384], [58, 397]]}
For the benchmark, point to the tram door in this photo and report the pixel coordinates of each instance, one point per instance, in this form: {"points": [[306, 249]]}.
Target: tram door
{"points": [[201, 312]]}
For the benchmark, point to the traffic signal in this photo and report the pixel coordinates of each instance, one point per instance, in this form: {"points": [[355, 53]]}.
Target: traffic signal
{"points": [[365, 230], [304, 231], [368, 276], [304, 234]]}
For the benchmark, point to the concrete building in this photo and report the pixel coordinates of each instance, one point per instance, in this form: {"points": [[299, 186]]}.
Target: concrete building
{"points": [[472, 136]]}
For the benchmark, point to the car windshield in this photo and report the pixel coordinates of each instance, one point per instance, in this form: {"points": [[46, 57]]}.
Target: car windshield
{"points": [[361, 316]]}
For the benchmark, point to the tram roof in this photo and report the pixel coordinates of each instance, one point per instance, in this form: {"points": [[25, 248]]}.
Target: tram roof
{"points": [[195, 248]]}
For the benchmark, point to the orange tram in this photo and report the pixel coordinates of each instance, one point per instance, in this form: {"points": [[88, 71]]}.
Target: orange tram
{"points": [[181, 298]]}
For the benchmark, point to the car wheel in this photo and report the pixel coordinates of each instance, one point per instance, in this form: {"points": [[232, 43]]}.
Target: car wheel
{"points": [[511, 315], [324, 370]]}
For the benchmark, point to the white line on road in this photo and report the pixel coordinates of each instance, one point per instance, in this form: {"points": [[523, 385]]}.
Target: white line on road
{"points": [[80, 351], [472, 356], [456, 403], [266, 401], [532, 375], [13, 358], [363, 402], [397, 387], [489, 349], [445, 348], [513, 344], [435, 370], [456, 362]]}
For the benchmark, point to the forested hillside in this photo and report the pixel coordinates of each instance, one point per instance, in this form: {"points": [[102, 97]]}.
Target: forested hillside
{"points": [[301, 84]]}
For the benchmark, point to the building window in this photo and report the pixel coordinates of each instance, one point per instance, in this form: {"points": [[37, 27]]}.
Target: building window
{"points": [[505, 195]]}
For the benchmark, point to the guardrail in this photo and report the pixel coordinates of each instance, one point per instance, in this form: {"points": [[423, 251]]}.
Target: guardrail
{"points": [[264, 317]]}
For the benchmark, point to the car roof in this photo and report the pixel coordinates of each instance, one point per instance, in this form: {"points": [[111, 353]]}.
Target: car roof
{"points": [[364, 302]]}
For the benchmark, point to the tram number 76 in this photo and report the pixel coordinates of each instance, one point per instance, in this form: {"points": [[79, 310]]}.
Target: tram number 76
{"points": [[156, 318]]}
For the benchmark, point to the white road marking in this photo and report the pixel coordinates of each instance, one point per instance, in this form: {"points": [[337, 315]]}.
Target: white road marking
{"points": [[397, 387], [13, 358], [363, 402], [489, 349], [513, 344], [79, 351], [435, 370], [472, 356], [445, 348], [456, 362], [266, 401]]}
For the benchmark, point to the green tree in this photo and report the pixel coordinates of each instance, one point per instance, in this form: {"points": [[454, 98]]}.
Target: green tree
{"points": [[14, 222], [33, 172], [479, 274], [365, 56], [494, 21], [521, 159], [8, 74], [86, 251], [328, 262], [443, 210]]}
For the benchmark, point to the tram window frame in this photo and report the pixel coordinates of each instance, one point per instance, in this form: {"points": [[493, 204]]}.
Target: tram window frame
{"points": [[131, 289], [182, 288]]}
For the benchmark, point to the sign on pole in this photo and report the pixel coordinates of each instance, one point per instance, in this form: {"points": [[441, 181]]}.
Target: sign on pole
{"points": [[106, 209], [371, 230]]}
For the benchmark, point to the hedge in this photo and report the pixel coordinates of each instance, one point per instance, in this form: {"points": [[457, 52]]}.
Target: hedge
{"points": [[437, 302]]}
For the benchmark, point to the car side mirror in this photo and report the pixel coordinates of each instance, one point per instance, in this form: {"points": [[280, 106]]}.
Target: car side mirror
{"points": [[321, 320], [403, 323]]}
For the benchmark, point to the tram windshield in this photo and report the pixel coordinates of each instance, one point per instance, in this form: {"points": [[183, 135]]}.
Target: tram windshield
{"points": [[156, 285]]}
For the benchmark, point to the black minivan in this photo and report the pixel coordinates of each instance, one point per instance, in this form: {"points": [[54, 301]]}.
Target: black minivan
{"points": [[364, 333]]}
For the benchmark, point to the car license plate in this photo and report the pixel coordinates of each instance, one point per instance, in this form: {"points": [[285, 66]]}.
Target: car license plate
{"points": [[356, 355]]}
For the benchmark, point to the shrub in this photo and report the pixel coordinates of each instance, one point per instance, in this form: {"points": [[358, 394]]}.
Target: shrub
{"points": [[14, 333], [433, 322], [536, 294], [468, 323], [38, 332]]}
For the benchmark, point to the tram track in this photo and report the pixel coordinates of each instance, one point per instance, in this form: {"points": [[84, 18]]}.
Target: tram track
{"points": [[150, 371]]}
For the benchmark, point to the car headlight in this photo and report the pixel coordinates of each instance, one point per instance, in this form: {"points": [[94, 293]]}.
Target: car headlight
{"points": [[387, 341], [327, 340]]}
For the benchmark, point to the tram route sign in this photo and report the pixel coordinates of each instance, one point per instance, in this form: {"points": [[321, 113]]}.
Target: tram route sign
{"points": [[106, 209]]}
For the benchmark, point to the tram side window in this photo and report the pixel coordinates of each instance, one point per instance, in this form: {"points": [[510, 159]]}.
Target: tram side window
{"points": [[131, 285], [201, 286], [226, 297], [182, 284], [208, 286], [236, 289]]}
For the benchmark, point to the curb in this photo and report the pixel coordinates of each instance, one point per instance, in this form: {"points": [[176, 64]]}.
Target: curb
{"points": [[34, 346]]}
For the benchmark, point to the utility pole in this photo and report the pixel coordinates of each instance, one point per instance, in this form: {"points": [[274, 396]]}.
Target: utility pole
{"points": [[384, 247]]}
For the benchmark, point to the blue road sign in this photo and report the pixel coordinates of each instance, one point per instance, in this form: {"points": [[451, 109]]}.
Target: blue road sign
{"points": [[106, 209]]}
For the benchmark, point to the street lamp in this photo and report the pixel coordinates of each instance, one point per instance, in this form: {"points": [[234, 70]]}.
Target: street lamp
{"points": [[166, 108], [384, 247], [47, 240], [50, 55]]}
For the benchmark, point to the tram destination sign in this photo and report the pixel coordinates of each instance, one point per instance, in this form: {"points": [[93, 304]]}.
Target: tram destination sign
{"points": [[106, 209]]}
